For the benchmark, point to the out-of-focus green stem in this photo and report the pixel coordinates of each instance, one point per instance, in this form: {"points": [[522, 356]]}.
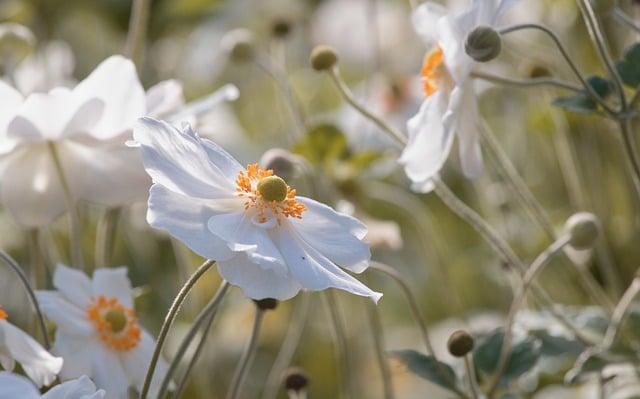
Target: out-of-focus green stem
{"points": [[247, 356], [525, 82], [138, 22], [378, 343], [105, 236], [620, 312], [630, 150], [341, 346], [620, 15]]}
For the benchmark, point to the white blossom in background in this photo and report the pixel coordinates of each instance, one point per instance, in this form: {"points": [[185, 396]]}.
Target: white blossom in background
{"points": [[97, 331], [450, 108], [17, 345], [264, 238], [14, 386]]}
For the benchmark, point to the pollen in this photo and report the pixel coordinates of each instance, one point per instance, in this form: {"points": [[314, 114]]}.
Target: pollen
{"points": [[268, 194], [116, 325], [3, 314], [432, 70]]}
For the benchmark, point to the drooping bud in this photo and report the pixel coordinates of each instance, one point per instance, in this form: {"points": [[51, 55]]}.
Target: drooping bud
{"points": [[295, 379], [323, 57], [460, 343], [584, 229], [281, 28], [266, 304], [272, 188], [16, 42], [239, 44], [483, 44]]}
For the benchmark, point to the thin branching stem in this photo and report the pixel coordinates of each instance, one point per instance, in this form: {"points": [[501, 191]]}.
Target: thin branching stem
{"points": [[620, 312], [341, 346], [138, 22], [526, 82], [621, 16], [630, 150], [471, 376], [105, 236], [378, 344], [247, 356]]}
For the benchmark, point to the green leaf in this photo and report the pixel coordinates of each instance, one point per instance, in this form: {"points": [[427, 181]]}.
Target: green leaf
{"points": [[425, 367], [322, 143], [578, 103], [524, 355], [629, 67], [603, 87]]}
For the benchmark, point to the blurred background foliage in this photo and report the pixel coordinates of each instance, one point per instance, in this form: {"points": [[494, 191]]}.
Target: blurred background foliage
{"points": [[571, 162]]}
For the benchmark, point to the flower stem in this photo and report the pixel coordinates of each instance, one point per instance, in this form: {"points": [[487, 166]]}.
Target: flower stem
{"points": [[105, 236], [630, 150], [525, 82], [247, 356], [471, 376], [620, 15], [137, 29], [620, 312], [206, 315], [31, 294], [518, 299], [341, 346], [168, 321], [76, 238], [378, 343]]}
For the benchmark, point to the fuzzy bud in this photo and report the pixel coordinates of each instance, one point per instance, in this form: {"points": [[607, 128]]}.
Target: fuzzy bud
{"points": [[295, 379], [281, 28], [16, 42], [483, 44], [460, 343], [266, 303], [323, 57], [584, 229], [239, 44]]}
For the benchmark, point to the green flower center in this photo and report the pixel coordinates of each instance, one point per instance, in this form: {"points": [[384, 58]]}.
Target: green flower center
{"points": [[272, 188], [117, 319]]}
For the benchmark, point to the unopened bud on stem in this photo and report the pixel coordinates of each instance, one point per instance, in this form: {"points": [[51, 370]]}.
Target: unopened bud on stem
{"points": [[323, 57], [483, 44], [239, 44], [266, 304], [295, 379], [460, 343], [584, 229]]}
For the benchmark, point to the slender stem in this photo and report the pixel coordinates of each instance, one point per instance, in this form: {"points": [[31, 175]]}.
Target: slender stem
{"points": [[589, 90], [76, 238], [247, 356], [346, 93], [168, 321], [288, 347], [31, 294], [518, 299], [471, 376], [137, 29], [378, 343], [620, 312], [422, 325], [341, 346], [526, 82], [105, 236], [621, 16], [630, 150], [206, 315], [37, 268]]}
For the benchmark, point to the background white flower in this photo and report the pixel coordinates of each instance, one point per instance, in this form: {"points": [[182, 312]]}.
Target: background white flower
{"points": [[265, 239], [17, 345], [97, 330], [14, 386]]}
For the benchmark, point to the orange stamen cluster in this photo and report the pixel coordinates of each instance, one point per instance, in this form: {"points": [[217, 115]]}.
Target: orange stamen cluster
{"points": [[246, 187], [125, 338], [431, 71], [3, 314]]}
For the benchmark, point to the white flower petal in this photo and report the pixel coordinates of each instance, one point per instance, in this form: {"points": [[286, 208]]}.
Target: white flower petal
{"points": [[84, 119], [335, 235], [109, 374], [425, 18], [49, 113], [36, 362], [466, 128], [186, 218], [70, 318], [81, 388], [257, 282], [164, 97], [73, 284], [13, 386], [113, 283], [77, 354]]}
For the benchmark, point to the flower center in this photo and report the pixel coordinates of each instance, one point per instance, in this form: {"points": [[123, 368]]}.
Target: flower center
{"points": [[116, 325], [269, 194], [432, 70], [3, 314]]}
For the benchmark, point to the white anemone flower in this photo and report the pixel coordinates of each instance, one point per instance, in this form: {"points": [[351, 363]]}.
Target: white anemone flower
{"points": [[450, 106], [265, 239], [14, 386], [17, 345], [97, 330]]}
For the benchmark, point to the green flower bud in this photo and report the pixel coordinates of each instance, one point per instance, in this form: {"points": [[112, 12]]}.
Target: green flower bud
{"points": [[460, 343], [584, 229], [239, 44], [323, 57], [483, 44], [16, 42]]}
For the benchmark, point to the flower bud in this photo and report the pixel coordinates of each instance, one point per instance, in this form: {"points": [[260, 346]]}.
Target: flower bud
{"points": [[460, 343], [281, 161], [483, 44], [266, 303], [584, 229], [281, 28], [323, 57], [295, 379], [239, 44], [16, 42]]}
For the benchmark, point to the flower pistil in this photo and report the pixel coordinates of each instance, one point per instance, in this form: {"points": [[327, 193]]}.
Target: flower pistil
{"points": [[116, 325]]}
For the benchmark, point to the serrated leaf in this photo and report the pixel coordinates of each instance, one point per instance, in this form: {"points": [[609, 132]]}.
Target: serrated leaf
{"points": [[322, 143], [629, 67], [524, 355], [425, 367], [578, 103]]}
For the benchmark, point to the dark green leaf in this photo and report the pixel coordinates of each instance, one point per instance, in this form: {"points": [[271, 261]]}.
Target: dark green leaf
{"points": [[425, 367], [322, 143], [603, 87], [578, 103], [629, 67]]}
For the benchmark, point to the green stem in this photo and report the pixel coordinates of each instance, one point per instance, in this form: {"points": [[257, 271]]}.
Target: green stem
{"points": [[76, 237], [138, 22], [517, 302], [341, 346], [31, 294], [247, 356], [471, 376], [620, 312], [620, 15], [378, 344], [105, 236], [168, 321], [525, 82], [629, 144]]}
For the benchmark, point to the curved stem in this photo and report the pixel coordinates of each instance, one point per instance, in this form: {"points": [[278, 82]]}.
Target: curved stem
{"points": [[105, 236], [630, 150], [346, 93], [168, 321], [526, 82], [137, 29], [621, 16], [31, 294], [620, 312], [378, 343], [206, 315], [341, 346], [76, 238], [518, 299], [589, 90], [471, 376], [247, 356], [288, 347]]}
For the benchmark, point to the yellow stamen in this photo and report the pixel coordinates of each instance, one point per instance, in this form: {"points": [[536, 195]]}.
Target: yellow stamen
{"points": [[3, 314], [431, 70], [116, 325], [252, 186]]}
